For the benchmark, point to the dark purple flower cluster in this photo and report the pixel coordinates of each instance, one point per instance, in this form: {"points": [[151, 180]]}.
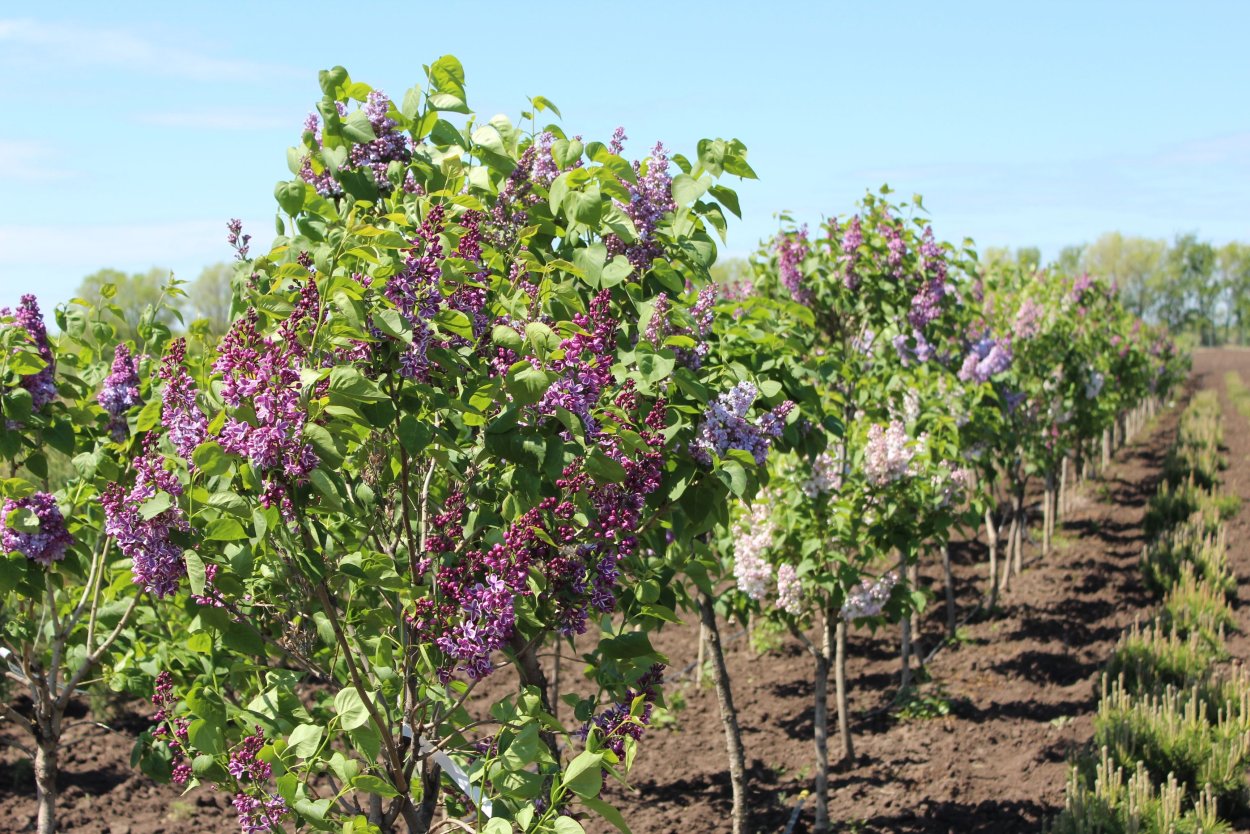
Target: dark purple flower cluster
{"points": [[265, 375], [259, 812], [585, 367], [660, 326], [892, 231], [237, 240], [986, 358], [171, 729], [791, 250], [650, 198], [44, 544], [42, 383], [390, 145], [630, 717], [852, 239], [156, 560], [120, 391], [180, 414], [510, 213], [725, 426], [416, 291], [470, 297]]}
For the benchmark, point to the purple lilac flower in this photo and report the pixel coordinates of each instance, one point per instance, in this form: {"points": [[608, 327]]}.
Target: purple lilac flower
{"points": [[724, 426], [893, 234], [42, 383], [156, 561], [918, 350], [619, 722], [658, 326], [789, 590], [986, 358], [650, 198], [120, 391], [46, 544], [180, 415], [869, 598], [586, 366], [617, 145], [545, 167], [260, 815], [1028, 320], [1083, 283], [926, 304], [390, 145], [488, 620], [827, 472], [791, 250], [416, 292]]}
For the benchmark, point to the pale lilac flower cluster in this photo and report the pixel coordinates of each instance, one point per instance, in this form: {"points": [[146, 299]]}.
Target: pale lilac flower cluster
{"points": [[986, 358], [753, 535], [120, 391], [725, 426], [1028, 320], [827, 473], [951, 483], [916, 350], [1082, 283], [864, 342], [42, 383], [852, 239], [789, 590], [889, 453], [911, 405], [1094, 386], [156, 560], [869, 598], [791, 250], [47, 543], [260, 815], [180, 414], [545, 167]]}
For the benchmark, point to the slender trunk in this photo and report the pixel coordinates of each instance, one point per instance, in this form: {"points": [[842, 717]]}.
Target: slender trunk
{"points": [[991, 535], [422, 818], [555, 684], [847, 747], [1106, 448], [1020, 527], [913, 581], [1064, 489], [1048, 532], [950, 590], [1009, 560], [701, 657], [728, 714], [820, 722], [905, 648], [46, 769]]}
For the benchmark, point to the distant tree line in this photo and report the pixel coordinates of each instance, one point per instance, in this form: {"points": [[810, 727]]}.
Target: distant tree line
{"points": [[201, 306]]}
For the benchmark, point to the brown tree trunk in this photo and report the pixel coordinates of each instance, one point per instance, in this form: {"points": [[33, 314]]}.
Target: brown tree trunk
{"points": [[820, 722], [905, 648], [991, 535], [728, 714], [46, 771], [839, 679]]}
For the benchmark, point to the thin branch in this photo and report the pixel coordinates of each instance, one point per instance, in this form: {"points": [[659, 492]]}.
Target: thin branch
{"points": [[94, 657]]}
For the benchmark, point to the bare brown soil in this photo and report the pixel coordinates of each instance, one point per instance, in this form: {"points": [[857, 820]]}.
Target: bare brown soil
{"points": [[1020, 683]]}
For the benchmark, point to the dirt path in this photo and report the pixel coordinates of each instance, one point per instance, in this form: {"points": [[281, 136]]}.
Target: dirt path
{"points": [[1021, 688]]}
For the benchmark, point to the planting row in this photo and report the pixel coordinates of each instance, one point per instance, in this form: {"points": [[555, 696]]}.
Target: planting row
{"points": [[1172, 731], [481, 399]]}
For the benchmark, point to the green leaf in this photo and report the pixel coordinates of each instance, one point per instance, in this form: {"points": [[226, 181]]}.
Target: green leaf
{"points": [[584, 775], [154, 506], [526, 383], [211, 459], [290, 196], [603, 468], [149, 416], [224, 530], [205, 735], [358, 128], [305, 740], [567, 825], [447, 76], [351, 709], [728, 198], [543, 103], [497, 825], [195, 571], [351, 384], [371, 784], [686, 189], [584, 206], [608, 812]]}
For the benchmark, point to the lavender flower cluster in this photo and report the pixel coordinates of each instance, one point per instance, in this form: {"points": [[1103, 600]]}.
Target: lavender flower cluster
{"points": [[156, 560], [986, 358], [388, 145], [725, 426], [45, 544], [120, 391], [869, 598], [650, 198], [416, 291], [791, 250], [42, 383], [180, 414], [1028, 321], [753, 535], [827, 473]]}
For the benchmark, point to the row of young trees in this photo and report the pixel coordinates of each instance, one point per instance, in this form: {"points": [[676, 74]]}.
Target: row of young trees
{"points": [[482, 403]]}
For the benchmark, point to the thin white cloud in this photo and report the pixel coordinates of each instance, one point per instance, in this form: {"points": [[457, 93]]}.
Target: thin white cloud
{"points": [[93, 46], [30, 162], [223, 120], [1233, 149], [113, 244]]}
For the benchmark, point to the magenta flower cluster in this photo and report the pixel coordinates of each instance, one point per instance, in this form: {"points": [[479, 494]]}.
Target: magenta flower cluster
{"points": [[42, 383], [791, 250], [416, 292], [725, 426], [585, 367], [120, 391], [237, 240], [156, 559], [45, 544]]}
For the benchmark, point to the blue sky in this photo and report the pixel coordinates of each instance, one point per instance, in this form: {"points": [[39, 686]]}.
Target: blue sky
{"points": [[133, 131]]}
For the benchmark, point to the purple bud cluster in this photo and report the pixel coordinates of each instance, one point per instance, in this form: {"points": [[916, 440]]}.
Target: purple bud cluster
{"points": [[156, 560], [869, 598], [237, 240], [791, 250], [619, 721], [585, 367], [171, 729], [120, 391], [725, 426], [617, 144], [42, 383], [47, 543], [180, 415], [264, 373], [986, 358], [416, 291]]}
